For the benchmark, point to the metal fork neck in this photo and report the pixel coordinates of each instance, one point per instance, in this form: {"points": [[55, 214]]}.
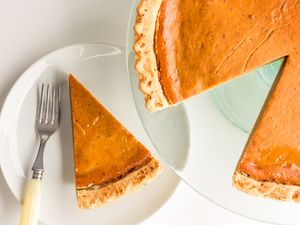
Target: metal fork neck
{"points": [[38, 166], [44, 139]]}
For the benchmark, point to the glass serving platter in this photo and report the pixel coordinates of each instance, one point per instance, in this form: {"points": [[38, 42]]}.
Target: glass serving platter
{"points": [[203, 138]]}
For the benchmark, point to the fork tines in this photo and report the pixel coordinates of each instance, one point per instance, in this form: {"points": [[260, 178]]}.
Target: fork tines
{"points": [[48, 106]]}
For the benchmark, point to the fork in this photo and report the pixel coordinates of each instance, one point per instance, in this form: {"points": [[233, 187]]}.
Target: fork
{"points": [[46, 123]]}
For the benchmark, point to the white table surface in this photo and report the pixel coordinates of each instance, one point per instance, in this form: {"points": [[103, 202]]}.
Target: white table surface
{"points": [[30, 29]]}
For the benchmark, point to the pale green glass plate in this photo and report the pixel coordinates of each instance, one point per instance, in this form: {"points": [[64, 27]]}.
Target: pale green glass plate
{"points": [[203, 138], [241, 100]]}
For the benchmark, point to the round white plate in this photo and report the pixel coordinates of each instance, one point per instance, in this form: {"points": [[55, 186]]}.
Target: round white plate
{"points": [[102, 69], [203, 146]]}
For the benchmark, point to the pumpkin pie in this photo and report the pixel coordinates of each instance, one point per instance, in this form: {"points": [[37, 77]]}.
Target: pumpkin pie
{"points": [[109, 161], [185, 47]]}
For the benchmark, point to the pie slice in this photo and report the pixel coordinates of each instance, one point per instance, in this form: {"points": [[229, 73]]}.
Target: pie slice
{"points": [[185, 47], [109, 161]]}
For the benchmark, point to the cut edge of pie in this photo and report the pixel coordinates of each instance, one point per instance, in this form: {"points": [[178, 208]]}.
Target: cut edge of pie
{"points": [[91, 198], [146, 64], [268, 189]]}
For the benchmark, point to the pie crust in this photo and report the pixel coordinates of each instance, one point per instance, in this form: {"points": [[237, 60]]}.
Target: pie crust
{"points": [[91, 198], [272, 190], [146, 64]]}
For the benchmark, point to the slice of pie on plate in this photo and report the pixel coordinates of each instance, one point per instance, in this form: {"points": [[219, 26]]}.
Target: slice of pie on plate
{"points": [[109, 161], [185, 47]]}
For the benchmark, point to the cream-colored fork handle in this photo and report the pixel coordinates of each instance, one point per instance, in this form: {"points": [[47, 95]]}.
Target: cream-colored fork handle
{"points": [[31, 204]]}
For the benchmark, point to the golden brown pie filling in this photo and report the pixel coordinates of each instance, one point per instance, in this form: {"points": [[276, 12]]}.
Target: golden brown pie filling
{"points": [[273, 152], [200, 44], [104, 150]]}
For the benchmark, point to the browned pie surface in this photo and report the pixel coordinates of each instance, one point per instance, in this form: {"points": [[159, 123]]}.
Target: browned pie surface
{"points": [[104, 151], [203, 43], [273, 152], [200, 44]]}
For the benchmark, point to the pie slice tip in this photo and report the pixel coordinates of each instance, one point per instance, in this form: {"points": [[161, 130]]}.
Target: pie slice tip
{"points": [[146, 64], [267, 189]]}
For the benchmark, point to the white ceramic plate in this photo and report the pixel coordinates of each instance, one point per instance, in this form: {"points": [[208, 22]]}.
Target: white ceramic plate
{"points": [[102, 69], [203, 146]]}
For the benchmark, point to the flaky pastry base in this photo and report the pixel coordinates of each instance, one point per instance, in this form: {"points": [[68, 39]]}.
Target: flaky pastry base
{"points": [[91, 198], [146, 64], [266, 189]]}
